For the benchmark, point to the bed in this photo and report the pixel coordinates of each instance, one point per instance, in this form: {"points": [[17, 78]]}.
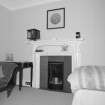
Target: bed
{"points": [[89, 97], [88, 85]]}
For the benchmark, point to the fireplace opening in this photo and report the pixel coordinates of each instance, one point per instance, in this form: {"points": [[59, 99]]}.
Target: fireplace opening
{"points": [[54, 71], [55, 75]]}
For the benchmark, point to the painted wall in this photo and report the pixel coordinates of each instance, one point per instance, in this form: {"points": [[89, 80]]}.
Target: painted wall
{"points": [[85, 16], [4, 32], [88, 17], [34, 17]]}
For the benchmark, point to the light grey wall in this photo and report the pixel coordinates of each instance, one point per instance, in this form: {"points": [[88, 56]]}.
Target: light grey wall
{"points": [[86, 16], [34, 17], [4, 32]]}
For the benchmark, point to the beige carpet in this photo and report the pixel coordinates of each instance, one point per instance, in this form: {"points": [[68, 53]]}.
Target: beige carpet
{"points": [[32, 96]]}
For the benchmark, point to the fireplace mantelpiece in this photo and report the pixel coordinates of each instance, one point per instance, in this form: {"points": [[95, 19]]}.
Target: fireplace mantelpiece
{"points": [[54, 48]]}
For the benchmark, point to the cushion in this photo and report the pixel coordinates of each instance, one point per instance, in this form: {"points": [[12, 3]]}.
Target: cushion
{"points": [[1, 72], [6, 72], [8, 69]]}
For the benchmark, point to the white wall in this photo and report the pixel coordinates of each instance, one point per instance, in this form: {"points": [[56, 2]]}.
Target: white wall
{"points": [[4, 32], [35, 17], [86, 16]]}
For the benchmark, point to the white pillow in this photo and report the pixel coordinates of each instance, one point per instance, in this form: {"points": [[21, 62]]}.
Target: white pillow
{"points": [[1, 73]]}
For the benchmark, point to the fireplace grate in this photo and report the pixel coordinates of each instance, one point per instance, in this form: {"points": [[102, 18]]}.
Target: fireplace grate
{"points": [[55, 75]]}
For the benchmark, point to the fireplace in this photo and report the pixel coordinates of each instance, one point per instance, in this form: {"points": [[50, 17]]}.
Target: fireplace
{"points": [[53, 52], [54, 71]]}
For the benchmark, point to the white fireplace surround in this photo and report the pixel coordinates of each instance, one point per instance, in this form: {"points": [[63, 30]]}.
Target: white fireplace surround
{"points": [[54, 48]]}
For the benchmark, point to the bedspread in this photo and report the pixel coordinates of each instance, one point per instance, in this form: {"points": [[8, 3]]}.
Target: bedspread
{"points": [[88, 77], [89, 97]]}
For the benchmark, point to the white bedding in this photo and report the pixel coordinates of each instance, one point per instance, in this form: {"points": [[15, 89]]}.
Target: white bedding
{"points": [[88, 97], [88, 77], [88, 85]]}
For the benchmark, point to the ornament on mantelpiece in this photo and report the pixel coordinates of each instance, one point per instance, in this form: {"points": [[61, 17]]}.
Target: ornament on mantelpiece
{"points": [[78, 35]]}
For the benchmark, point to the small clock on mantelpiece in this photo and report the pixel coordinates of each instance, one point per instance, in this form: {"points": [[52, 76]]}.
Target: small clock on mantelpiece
{"points": [[33, 34]]}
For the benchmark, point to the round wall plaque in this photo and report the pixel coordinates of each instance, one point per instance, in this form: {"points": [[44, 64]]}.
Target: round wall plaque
{"points": [[55, 18]]}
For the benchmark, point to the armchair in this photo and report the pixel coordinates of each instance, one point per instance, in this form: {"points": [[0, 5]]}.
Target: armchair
{"points": [[8, 78]]}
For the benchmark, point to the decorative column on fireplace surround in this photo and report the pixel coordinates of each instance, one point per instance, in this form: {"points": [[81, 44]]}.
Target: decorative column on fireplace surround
{"points": [[54, 48]]}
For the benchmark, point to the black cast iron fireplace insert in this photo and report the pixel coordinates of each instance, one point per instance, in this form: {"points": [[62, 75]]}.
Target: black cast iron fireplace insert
{"points": [[55, 75]]}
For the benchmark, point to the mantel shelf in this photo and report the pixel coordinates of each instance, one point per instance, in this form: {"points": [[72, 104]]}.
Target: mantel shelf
{"points": [[55, 42]]}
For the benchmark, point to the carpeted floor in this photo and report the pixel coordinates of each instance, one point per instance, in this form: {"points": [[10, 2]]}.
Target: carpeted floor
{"points": [[32, 96]]}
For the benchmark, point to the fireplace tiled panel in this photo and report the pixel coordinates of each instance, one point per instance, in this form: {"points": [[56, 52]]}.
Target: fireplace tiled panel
{"points": [[67, 60]]}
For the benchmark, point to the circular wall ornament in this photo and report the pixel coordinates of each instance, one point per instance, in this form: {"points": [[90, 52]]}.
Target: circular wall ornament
{"points": [[55, 18]]}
